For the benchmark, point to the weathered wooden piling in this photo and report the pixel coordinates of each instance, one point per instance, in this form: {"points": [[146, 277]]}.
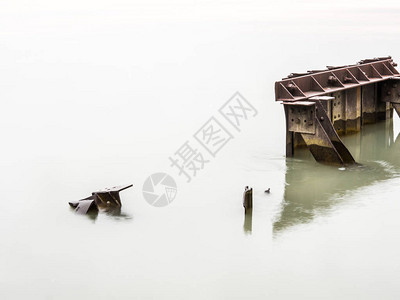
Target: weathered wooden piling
{"points": [[322, 105], [248, 200]]}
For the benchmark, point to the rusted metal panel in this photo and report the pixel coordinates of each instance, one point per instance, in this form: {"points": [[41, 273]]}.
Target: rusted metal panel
{"points": [[390, 91], [108, 199], [353, 110], [339, 112], [289, 135], [316, 83], [299, 141], [323, 141], [301, 117], [384, 108], [369, 103], [85, 206], [330, 131], [321, 147]]}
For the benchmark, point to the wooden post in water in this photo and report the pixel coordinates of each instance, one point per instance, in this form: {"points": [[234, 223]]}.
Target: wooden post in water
{"points": [[248, 200]]}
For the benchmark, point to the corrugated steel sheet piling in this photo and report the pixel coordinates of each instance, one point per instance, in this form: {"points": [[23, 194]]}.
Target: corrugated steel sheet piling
{"points": [[322, 105]]}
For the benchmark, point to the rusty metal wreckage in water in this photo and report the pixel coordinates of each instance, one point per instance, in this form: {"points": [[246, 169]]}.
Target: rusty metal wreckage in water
{"points": [[320, 105], [107, 200]]}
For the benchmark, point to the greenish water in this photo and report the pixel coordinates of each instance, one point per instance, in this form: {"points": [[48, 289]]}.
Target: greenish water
{"points": [[312, 188], [101, 93], [323, 231]]}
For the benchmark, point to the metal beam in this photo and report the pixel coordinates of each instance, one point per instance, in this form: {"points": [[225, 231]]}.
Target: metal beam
{"points": [[303, 86]]}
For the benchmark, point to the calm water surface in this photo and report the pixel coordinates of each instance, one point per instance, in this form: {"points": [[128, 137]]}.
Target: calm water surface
{"points": [[97, 97]]}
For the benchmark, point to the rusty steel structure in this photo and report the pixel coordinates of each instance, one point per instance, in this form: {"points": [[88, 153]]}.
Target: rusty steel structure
{"points": [[321, 105]]}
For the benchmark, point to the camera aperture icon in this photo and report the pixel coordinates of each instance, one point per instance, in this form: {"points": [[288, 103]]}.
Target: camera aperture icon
{"points": [[159, 189]]}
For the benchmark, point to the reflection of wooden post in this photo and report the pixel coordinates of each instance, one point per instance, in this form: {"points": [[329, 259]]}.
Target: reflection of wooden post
{"points": [[248, 200], [248, 222]]}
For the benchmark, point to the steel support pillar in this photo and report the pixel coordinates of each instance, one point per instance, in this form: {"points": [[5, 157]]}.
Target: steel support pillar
{"points": [[369, 103], [311, 120]]}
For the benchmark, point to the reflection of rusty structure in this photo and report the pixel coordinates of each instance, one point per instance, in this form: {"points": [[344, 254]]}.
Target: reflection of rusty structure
{"points": [[321, 105], [104, 200], [308, 193]]}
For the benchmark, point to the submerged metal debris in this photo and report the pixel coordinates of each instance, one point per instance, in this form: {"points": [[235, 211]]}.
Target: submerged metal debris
{"points": [[103, 200]]}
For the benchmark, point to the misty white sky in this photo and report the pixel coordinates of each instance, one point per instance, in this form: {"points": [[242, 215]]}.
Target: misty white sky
{"points": [[144, 66]]}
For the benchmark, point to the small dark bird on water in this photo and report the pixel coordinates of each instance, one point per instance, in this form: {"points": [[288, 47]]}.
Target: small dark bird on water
{"points": [[268, 191]]}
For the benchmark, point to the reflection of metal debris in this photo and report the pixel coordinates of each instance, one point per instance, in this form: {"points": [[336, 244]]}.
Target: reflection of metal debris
{"points": [[103, 200]]}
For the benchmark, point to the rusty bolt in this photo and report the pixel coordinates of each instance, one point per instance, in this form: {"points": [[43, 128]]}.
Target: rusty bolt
{"points": [[395, 85], [347, 79], [388, 93], [332, 79], [291, 87]]}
